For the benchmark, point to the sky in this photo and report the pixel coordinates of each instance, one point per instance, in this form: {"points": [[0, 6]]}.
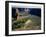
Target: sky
{"points": [[32, 11]]}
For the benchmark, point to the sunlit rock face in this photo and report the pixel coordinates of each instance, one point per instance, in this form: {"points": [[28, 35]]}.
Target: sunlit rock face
{"points": [[20, 17], [27, 23], [22, 14]]}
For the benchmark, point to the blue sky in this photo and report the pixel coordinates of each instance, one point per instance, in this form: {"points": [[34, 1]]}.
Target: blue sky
{"points": [[33, 11]]}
